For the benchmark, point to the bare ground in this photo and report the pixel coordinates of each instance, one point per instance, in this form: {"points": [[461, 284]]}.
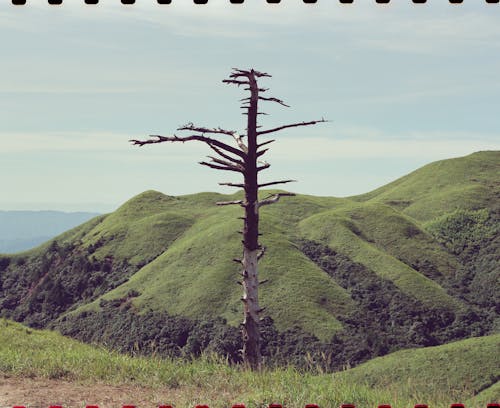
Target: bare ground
{"points": [[38, 393]]}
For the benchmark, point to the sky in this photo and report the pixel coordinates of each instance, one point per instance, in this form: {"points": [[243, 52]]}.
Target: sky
{"points": [[401, 84]]}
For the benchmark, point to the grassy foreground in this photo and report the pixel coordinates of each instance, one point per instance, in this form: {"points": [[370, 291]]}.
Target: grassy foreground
{"points": [[437, 376]]}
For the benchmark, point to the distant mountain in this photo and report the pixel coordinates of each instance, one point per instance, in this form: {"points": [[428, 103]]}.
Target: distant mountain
{"points": [[22, 230], [414, 263]]}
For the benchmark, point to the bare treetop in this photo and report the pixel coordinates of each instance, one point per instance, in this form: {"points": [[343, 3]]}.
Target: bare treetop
{"points": [[226, 152]]}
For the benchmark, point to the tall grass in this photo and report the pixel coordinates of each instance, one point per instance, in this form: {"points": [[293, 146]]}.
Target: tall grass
{"points": [[29, 353]]}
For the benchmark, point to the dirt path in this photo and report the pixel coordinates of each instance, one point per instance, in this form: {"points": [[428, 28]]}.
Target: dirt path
{"points": [[40, 393]]}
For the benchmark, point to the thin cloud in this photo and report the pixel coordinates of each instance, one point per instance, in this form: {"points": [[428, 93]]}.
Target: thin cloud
{"points": [[71, 90], [419, 146], [430, 92], [348, 142], [114, 146]]}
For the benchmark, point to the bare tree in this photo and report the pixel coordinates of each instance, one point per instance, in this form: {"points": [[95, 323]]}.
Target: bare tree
{"points": [[243, 158]]}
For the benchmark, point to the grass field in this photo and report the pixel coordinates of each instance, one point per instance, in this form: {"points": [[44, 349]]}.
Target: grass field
{"points": [[437, 376]]}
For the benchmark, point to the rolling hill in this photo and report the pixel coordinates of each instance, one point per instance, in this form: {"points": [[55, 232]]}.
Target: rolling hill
{"points": [[470, 182], [350, 278]]}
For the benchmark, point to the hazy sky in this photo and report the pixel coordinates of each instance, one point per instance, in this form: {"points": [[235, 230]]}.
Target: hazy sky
{"points": [[402, 84]]}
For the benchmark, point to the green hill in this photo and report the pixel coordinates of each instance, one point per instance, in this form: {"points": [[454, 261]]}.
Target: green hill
{"points": [[472, 363], [389, 244], [491, 394], [349, 278], [470, 182]]}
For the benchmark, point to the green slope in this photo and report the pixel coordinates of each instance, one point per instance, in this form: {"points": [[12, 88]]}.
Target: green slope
{"points": [[470, 182], [146, 225], [490, 394], [468, 366], [195, 277], [436, 376], [389, 244]]}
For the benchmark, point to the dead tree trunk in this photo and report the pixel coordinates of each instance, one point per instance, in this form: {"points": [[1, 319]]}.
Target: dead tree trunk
{"points": [[244, 158], [250, 328]]}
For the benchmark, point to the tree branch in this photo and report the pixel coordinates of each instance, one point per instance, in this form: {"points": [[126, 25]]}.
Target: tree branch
{"points": [[239, 142], [225, 156], [228, 164], [240, 73], [264, 143], [313, 122], [214, 166], [175, 138], [259, 89], [274, 100], [218, 130], [263, 167], [232, 185], [234, 81], [273, 199], [246, 73], [277, 182], [262, 152], [261, 252], [239, 202]]}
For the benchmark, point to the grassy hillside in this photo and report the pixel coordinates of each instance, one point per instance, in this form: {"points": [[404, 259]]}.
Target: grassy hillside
{"points": [[470, 365], [436, 376], [398, 250], [204, 250], [389, 244], [491, 394], [190, 272], [470, 182]]}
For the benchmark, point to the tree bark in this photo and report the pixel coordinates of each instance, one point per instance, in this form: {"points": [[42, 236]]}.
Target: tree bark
{"points": [[251, 326]]}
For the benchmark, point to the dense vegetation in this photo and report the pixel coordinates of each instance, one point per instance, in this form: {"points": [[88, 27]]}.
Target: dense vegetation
{"points": [[474, 237], [120, 327], [349, 279], [386, 319], [37, 290]]}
